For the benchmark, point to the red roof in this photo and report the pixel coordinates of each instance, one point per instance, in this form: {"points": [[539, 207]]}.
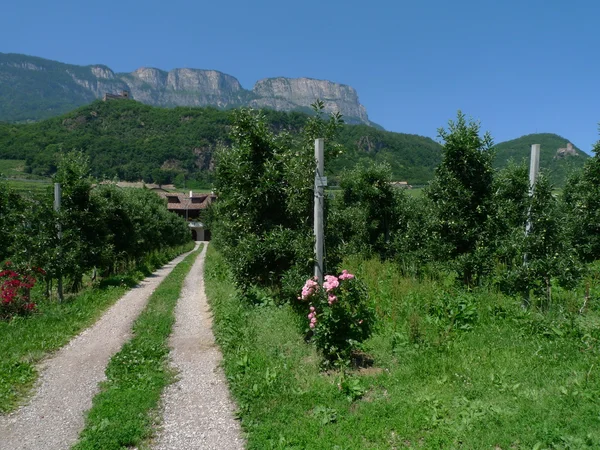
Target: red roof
{"points": [[178, 200]]}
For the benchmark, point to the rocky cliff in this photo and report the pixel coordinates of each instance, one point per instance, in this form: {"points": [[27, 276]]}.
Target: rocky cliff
{"points": [[34, 88], [288, 93]]}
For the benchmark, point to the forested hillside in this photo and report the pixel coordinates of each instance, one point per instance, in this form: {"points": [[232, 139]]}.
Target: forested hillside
{"points": [[554, 156], [33, 89], [133, 141]]}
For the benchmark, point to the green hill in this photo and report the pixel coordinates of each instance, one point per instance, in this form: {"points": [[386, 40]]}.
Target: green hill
{"points": [[33, 88], [133, 141], [558, 163]]}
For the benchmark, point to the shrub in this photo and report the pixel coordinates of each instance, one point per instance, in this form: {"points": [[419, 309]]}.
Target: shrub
{"points": [[456, 311], [339, 317], [15, 287], [262, 222], [461, 193]]}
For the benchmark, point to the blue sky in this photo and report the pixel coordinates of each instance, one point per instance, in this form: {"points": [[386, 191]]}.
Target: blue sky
{"points": [[519, 67]]}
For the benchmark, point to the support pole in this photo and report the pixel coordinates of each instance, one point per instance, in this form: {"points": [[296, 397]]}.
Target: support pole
{"points": [[57, 196], [534, 168], [320, 183]]}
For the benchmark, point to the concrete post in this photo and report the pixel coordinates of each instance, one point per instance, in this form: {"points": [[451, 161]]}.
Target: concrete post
{"points": [[534, 168], [57, 197], [320, 183]]}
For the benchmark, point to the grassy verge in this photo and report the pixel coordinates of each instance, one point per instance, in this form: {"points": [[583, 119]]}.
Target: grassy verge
{"points": [[465, 370], [121, 415], [24, 341]]}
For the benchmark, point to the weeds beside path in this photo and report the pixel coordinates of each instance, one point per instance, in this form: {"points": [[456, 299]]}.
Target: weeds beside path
{"points": [[54, 416]]}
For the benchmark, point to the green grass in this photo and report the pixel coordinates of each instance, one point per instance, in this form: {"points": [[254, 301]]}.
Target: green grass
{"points": [[514, 380], [24, 341], [122, 413], [11, 167], [37, 189], [15, 168], [12, 170], [415, 192]]}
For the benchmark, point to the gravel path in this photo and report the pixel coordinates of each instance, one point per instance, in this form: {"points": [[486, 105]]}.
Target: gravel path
{"points": [[198, 413], [69, 379]]}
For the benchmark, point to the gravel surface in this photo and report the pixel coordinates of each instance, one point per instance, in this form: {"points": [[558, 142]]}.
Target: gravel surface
{"points": [[69, 379], [197, 410]]}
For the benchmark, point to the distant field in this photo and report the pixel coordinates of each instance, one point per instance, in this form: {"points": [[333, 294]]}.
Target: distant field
{"points": [[11, 167], [35, 187], [415, 192], [12, 170], [15, 168]]}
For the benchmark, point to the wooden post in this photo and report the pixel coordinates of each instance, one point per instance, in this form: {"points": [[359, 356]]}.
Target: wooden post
{"points": [[57, 196], [320, 183], [534, 168]]}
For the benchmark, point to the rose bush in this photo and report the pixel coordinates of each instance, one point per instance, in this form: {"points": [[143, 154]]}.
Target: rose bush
{"points": [[339, 317], [15, 287]]}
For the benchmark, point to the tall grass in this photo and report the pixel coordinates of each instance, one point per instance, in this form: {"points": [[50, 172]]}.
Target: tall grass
{"points": [[452, 369]]}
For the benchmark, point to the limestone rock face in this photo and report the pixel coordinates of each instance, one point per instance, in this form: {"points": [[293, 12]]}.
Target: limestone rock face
{"points": [[96, 81], [569, 150], [22, 65], [183, 87], [284, 93], [155, 78], [102, 72], [26, 80]]}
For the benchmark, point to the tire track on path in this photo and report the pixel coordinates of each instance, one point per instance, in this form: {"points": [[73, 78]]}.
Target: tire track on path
{"points": [[54, 416], [197, 409]]}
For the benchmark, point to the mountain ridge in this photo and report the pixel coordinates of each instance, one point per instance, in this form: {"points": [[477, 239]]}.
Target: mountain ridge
{"points": [[34, 88]]}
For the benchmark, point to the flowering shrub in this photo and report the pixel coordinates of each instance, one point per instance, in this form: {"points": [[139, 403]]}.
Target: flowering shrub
{"points": [[15, 290], [339, 317]]}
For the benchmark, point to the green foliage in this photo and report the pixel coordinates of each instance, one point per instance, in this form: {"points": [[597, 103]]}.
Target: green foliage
{"points": [[506, 224], [545, 249], [582, 200], [461, 193], [9, 204], [462, 188], [103, 228], [473, 389], [364, 215], [557, 167], [262, 221], [455, 310], [339, 316], [133, 141]]}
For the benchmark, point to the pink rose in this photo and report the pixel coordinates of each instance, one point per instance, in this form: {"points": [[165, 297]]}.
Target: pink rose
{"points": [[310, 287], [331, 282], [345, 275]]}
